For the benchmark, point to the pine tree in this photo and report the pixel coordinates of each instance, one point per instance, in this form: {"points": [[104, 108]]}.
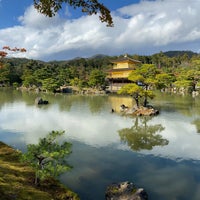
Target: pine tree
{"points": [[48, 157]]}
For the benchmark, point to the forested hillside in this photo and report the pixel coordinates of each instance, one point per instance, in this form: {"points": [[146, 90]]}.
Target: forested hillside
{"points": [[182, 66]]}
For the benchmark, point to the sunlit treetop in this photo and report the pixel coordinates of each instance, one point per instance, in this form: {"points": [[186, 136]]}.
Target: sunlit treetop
{"points": [[90, 7]]}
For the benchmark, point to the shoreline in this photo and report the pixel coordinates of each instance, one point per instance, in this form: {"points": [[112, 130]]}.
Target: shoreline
{"points": [[17, 180]]}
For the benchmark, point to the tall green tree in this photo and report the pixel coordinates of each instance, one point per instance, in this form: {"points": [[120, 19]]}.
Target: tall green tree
{"points": [[164, 80], [28, 79], [144, 78], [96, 78], [76, 82], [133, 90], [48, 157], [50, 84], [188, 78], [4, 75], [62, 75]]}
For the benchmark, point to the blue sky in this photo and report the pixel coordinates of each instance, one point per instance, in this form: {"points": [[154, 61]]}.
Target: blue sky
{"points": [[10, 10], [140, 27]]}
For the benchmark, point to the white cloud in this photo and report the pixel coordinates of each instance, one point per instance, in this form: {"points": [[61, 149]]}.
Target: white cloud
{"points": [[142, 28], [84, 128], [164, 22]]}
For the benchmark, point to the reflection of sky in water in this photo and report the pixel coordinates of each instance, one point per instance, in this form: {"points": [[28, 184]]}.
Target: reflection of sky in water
{"points": [[182, 135], [162, 178], [98, 130], [99, 158]]}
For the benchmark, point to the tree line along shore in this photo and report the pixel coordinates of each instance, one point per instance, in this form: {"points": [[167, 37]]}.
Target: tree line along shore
{"points": [[177, 71]]}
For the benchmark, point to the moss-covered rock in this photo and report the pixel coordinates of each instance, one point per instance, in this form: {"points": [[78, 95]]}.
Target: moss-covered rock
{"points": [[125, 191]]}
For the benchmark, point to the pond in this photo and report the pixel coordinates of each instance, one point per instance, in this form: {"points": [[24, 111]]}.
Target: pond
{"points": [[160, 154]]}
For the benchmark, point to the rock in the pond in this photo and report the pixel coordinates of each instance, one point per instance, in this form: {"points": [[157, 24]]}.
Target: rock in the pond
{"points": [[125, 191], [39, 101]]}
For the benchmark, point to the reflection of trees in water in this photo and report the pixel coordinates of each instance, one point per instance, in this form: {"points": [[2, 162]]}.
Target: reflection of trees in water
{"points": [[196, 122], [96, 103], [142, 136], [186, 105], [93, 103], [64, 101], [8, 95]]}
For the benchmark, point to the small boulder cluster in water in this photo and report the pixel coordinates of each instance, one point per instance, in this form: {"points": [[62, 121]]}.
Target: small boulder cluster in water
{"points": [[139, 111], [125, 191], [40, 101]]}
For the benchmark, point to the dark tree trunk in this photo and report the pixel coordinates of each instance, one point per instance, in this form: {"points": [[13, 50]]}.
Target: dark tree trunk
{"points": [[40, 160], [145, 97], [136, 97], [145, 101]]}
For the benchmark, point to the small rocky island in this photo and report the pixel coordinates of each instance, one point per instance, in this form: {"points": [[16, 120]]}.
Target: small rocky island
{"points": [[125, 191], [139, 111]]}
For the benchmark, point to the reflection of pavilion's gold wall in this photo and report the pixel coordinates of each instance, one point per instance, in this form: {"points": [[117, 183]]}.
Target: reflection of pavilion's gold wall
{"points": [[117, 101]]}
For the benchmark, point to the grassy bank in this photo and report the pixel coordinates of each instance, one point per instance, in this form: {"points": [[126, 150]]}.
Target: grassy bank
{"points": [[17, 180]]}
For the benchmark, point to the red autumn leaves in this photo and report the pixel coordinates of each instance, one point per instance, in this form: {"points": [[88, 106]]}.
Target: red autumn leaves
{"points": [[7, 48], [3, 54]]}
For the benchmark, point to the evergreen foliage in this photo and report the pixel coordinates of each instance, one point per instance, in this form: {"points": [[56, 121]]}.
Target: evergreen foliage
{"points": [[143, 79], [48, 157]]}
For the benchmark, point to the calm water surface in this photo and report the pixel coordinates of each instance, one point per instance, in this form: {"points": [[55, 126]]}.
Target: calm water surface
{"points": [[161, 154]]}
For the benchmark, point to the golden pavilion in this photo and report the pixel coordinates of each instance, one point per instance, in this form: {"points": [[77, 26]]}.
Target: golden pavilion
{"points": [[118, 75]]}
